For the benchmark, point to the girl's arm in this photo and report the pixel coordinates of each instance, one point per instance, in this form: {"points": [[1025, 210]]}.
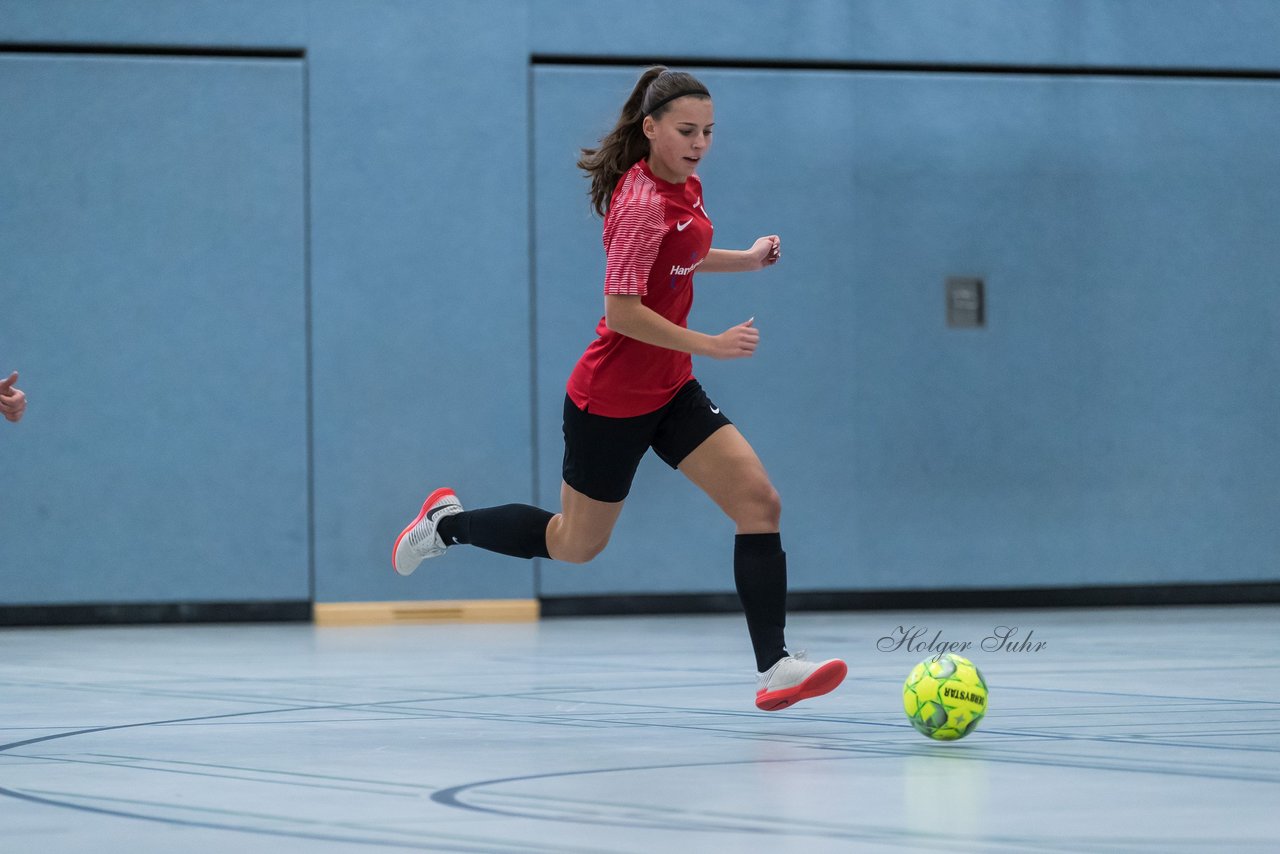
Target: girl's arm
{"points": [[765, 252], [628, 316]]}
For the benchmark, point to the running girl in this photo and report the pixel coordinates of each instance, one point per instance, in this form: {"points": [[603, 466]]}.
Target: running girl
{"points": [[634, 389]]}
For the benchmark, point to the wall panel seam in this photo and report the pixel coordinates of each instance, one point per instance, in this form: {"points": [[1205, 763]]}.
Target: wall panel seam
{"points": [[999, 69]]}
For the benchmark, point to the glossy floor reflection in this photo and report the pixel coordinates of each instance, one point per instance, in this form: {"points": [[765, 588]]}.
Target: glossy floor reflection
{"points": [[1128, 730]]}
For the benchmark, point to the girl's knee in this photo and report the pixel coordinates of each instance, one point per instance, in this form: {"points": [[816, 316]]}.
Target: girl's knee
{"points": [[770, 503], [760, 507]]}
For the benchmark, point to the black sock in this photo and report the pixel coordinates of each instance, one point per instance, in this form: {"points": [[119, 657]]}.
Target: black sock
{"points": [[518, 530], [760, 573]]}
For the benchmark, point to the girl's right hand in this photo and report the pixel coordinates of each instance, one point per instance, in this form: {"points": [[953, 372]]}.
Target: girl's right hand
{"points": [[12, 401], [736, 342]]}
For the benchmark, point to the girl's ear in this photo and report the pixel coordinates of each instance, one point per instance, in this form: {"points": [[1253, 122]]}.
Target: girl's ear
{"points": [[650, 127]]}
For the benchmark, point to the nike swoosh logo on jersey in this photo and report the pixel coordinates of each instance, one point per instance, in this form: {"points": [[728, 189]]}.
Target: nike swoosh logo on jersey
{"points": [[715, 410], [681, 226]]}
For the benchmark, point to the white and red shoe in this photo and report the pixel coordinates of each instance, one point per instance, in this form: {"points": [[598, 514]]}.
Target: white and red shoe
{"points": [[795, 678], [419, 540]]}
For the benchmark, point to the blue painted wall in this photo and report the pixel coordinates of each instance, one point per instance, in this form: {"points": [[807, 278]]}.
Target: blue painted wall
{"points": [[420, 279], [334, 282], [1070, 442], [152, 269]]}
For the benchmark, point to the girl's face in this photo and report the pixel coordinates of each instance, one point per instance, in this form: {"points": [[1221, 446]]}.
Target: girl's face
{"points": [[680, 138]]}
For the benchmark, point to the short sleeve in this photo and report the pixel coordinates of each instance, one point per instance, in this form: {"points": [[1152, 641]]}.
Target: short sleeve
{"points": [[633, 233]]}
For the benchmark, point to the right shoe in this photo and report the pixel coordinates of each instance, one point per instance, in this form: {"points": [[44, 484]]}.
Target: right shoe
{"points": [[795, 678], [419, 540]]}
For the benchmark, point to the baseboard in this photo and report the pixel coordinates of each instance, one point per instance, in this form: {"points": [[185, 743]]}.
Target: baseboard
{"points": [[528, 610], [143, 613], [1238, 593], [443, 611]]}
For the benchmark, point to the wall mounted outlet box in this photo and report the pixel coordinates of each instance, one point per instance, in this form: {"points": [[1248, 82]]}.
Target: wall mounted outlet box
{"points": [[966, 303]]}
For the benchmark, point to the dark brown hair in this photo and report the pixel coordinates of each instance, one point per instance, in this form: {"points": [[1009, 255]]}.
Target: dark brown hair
{"points": [[626, 144]]}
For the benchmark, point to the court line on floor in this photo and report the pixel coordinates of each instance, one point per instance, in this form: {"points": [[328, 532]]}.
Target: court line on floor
{"points": [[479, 847], [453, 797]]}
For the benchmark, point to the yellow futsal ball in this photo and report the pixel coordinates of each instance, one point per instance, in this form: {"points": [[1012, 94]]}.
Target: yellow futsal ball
{"points": [[945, 697]]}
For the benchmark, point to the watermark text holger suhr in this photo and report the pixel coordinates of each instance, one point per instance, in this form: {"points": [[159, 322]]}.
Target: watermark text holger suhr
{"points": [[917, 639]]}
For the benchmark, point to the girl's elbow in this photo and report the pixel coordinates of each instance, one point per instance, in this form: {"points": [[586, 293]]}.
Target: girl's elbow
{"points": [[617, 317]]}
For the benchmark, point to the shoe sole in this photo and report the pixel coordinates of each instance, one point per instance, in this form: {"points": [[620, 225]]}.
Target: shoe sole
{"points": [[824, 680], [426, 505]]}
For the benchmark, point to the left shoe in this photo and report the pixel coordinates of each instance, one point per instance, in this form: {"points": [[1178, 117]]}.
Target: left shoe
{"points": [[795, 678], [419, 540]]}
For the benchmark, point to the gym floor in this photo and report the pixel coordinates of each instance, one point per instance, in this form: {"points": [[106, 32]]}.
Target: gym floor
{"points": [[1111, 730]]}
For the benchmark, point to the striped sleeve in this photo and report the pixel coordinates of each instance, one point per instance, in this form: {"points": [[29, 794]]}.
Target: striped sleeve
{"points": [[633, 233]]}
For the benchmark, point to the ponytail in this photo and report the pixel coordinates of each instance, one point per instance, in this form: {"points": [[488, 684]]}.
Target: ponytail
{"points": [[626, 144]]}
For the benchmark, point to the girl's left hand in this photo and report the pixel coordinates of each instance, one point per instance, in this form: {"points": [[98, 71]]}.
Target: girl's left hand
{"points": [[766, 251]]}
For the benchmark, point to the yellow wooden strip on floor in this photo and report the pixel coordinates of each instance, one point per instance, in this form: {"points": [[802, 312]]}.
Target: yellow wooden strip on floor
{"points": [[442, 611]]}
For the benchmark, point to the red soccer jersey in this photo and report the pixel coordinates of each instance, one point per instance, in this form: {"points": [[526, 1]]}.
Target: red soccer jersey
{"points": [[655, 235]]}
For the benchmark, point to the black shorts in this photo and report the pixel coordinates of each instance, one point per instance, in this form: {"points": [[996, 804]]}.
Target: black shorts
{"points": [[601, 454]]}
